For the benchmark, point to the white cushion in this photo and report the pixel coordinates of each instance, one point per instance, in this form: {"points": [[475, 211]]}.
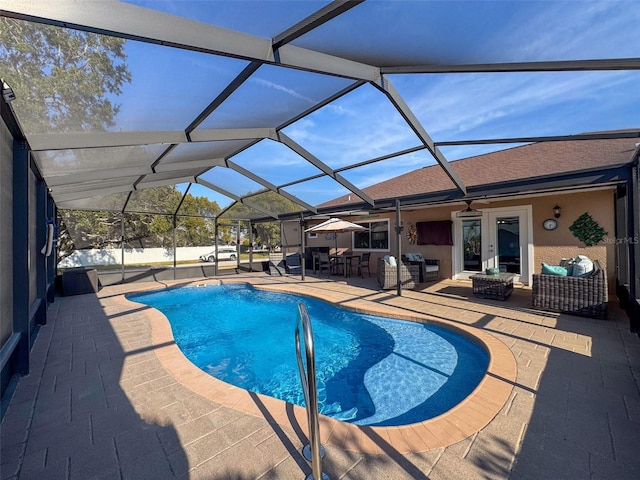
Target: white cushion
{"points": [[431, 268], [392, 261], [582, 266]]}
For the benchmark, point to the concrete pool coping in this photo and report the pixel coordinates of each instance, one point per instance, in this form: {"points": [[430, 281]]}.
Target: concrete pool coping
{"points": [[465, 419]]}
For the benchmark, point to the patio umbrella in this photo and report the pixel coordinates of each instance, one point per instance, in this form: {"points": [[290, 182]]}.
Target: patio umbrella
{"points": [[335, 226]]}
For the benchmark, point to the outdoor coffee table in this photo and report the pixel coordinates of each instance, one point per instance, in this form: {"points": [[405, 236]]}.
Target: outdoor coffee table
{"points": [[498, 287]]}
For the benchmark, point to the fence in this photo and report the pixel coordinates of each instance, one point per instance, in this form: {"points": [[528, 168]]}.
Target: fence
{"points": [[143, 256]]}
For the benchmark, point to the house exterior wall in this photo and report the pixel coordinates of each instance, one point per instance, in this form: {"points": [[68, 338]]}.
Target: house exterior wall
{"points": [[548, 246]]}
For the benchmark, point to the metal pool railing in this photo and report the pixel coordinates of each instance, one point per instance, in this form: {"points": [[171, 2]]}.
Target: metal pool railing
{"points": [[313, 452]]}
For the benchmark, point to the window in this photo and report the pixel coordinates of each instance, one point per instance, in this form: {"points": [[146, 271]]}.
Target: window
{"points": [[375, 238], [472, 244]]}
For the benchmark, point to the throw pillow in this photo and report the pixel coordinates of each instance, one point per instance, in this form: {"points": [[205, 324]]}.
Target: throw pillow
{"points": [[392, 261], [554, 270], [565, 262], [582, 267], [418, 257], [410, 256], [386, 259]]}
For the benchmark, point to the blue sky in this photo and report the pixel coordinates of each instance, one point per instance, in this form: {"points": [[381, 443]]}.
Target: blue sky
{"points": [[363, 125]]}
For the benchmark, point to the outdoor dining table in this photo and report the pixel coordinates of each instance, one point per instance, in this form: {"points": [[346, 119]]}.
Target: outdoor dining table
{"points": [[344, 259]]}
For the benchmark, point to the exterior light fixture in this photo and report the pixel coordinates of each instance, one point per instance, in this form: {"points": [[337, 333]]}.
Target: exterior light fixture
{"points": [[469, 212], [556, 211]]}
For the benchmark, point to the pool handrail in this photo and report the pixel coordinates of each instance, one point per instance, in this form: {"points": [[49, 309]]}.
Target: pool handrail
{"points": [[310, 391]]}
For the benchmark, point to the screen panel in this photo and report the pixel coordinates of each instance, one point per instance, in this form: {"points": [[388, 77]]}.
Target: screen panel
{"points": [[272, 96]]}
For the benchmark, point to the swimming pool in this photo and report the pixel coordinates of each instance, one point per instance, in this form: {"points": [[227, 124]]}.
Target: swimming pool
{"points": [[371, 370]]}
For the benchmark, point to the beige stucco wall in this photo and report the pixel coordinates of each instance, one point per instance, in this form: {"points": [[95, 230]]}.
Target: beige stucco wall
{"points": [[549, 246]]}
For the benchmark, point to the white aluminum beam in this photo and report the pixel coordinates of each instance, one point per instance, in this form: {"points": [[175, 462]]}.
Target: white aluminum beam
{"points": [[92, 186], [387, 87], [189, 164], [300, 150], [68, 141], [168, 181], [97, 175], [137, 23], [65, 197], [221, 134], [310, 60], [550, 66]]}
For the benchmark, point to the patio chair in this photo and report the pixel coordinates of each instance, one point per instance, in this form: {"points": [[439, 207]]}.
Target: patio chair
{"points": [[584, 296], [324, 263], [363, 262], [293, 264], [337, 265], [429, 268]]}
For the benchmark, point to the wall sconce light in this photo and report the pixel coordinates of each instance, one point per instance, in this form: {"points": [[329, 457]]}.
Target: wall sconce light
{"points": [[556, 211]]}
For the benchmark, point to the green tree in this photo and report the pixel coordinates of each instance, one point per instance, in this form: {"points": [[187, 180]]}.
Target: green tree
{"points": [[266, 233], [148, 223], [84, 229], [63, 78], [197, 223], [64, 81]]}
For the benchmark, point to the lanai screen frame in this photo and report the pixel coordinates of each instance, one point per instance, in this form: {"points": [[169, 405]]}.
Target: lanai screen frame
{"points": [[135, 23], [140, 24]]}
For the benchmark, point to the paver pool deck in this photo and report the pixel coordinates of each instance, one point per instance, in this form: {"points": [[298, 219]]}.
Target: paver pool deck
{"points": [[110, 396]]}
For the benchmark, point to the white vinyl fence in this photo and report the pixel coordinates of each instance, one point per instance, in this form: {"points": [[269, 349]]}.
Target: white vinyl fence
{"points": [[144, 256]]}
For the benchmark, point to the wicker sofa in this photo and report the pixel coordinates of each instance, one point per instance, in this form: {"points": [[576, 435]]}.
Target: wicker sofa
{"points": [[388, 275], [584, 296]]}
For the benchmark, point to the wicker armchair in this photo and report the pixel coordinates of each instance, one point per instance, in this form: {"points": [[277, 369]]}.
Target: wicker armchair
{"points": [[584, 296], [388, 275], [429, 268]]}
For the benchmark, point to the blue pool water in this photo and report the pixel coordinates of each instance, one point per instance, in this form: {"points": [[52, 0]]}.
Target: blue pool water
{"points": [[370, 370]]}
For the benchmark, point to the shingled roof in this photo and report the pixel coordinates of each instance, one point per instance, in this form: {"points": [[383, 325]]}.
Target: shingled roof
{"points": [[535, 160]]}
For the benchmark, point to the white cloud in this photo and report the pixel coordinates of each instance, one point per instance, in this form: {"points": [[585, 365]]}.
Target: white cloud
{"points": [[563, 30], [454, 104], [281, 88]]}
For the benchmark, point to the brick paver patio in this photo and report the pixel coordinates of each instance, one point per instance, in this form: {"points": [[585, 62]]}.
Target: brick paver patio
{"points": [[99, 402]]}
